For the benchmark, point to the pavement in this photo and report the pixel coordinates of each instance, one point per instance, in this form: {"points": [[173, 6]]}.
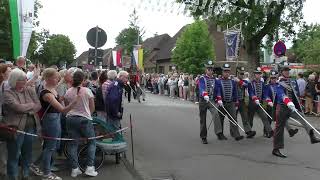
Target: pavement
{"points": [[167, 146]]}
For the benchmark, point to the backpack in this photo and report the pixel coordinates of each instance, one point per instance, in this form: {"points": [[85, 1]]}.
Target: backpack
{"points": [[99, 101]]}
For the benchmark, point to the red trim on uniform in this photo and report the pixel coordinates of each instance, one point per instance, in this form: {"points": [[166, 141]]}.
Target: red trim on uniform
{"points": [[255, 98], [204, 93], [241, 82], [286, 100], [219, 98], [268, 100]]}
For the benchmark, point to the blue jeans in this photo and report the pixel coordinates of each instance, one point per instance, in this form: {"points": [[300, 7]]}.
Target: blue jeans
{"points": [[21, 147], [51, 127], [78, 127]]}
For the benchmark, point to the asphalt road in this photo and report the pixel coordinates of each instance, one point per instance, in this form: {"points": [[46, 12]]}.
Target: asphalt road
{"points": [[167, 146]]}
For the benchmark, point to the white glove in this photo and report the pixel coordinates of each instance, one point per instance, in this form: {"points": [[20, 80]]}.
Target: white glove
{"points": [[291, 106], [128, 82], [257, 101], [206, 98], [220, 103], [270, 104]]}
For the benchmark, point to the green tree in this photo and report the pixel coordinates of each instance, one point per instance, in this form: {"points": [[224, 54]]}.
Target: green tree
{"points": [[306, 46], [258, 18], [36, 42], [58, 48], [130, 36], [193, 48]]}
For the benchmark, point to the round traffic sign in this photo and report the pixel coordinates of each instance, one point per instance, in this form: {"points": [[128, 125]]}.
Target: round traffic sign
{"points": [[96, 36], [279, 49]]}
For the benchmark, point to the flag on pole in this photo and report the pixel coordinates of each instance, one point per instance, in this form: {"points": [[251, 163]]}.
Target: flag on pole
{"points": [[140, 60], [136, 57], [116, 58], [21, 14], [119, 57]]}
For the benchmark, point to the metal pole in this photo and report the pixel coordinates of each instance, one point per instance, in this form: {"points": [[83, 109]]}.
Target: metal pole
{"points": [[296, 111], [96, 46], [131, 132]]}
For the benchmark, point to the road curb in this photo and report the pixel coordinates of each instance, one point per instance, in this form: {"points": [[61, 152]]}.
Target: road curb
{"points": [[132, 170]]}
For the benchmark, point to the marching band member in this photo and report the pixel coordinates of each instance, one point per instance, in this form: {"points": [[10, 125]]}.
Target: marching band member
{"points": [[207, 91], [257, 94], [242, 86], [227, 99], [288, 106]]}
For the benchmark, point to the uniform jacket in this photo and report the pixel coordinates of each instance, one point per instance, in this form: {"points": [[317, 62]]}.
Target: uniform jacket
{"points": [[252, 91], [220, 92], [203, 91], [282, 91]]}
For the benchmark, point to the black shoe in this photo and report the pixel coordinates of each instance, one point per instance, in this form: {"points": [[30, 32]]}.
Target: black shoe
{"points": [[139, 101], [238, 138], [221, 137], [277, 152], [204, 141], [251, 134], [292, 132], [143, 100], [269, 134], [313, 138]]}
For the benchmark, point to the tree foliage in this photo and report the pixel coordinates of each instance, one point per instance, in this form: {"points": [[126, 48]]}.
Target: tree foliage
{"points": [[193, 48], [258, 18], [128, 37], [306, 46], [58, 48]]}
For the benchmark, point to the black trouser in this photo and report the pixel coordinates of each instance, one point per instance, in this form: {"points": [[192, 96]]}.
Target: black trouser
{"points": [[253, 108], [203, 107], [231, 108], [243, 110], [128, 91], [283, 113]]}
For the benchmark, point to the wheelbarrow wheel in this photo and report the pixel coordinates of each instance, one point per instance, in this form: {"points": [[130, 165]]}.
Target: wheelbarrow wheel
{"points": [[98, 161]]}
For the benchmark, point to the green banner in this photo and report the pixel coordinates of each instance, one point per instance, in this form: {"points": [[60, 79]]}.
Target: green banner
{"points": [[15, 27]]}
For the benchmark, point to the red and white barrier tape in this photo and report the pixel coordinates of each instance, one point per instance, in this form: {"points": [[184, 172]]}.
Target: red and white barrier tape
{"points": [[63, 139]]}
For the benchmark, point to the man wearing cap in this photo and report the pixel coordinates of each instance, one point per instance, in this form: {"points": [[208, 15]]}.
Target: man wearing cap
{"points": [[207, 94], [242, 86], [257, 93], [288, 105], [227, 99], [271, 109]]}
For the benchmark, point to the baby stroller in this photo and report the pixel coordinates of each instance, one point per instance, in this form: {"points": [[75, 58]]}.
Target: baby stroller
{"points": [[114, 145]]}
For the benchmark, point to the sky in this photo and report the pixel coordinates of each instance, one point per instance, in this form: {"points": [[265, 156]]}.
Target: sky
{"points": [[75, 17]]}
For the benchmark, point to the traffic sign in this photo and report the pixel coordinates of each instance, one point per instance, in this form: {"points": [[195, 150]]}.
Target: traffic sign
{"points": [[96, 37], [279, 49]]}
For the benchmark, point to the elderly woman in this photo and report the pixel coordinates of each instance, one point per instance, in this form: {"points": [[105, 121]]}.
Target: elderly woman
{"points": [[20, 104], [112, 76]]}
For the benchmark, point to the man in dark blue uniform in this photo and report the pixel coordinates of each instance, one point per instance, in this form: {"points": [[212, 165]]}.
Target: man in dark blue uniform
{"points": [[242, 86], [288, 105], [227, 97], [207, 93], [271, 109], [257, 94]]}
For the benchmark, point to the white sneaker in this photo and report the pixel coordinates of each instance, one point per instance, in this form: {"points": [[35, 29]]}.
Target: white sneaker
{"points": [[90, 171], [75, 172]]}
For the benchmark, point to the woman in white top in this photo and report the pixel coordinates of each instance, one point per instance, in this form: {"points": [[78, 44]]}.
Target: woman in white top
{"points": [[79, 124]]}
